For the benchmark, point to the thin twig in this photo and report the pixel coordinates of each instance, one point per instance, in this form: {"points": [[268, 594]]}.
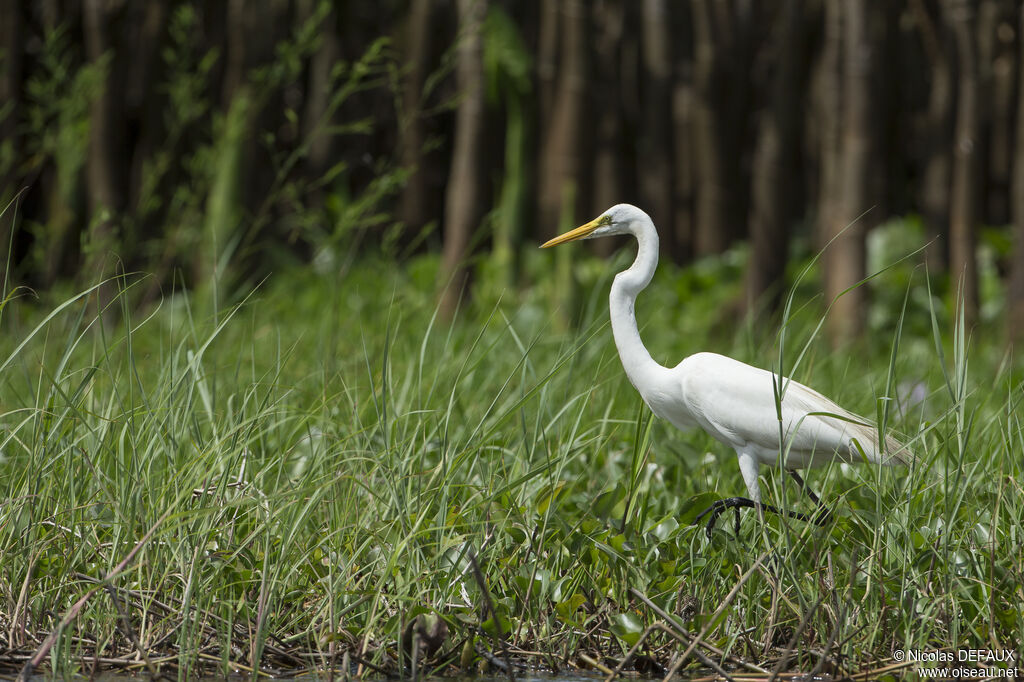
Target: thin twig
{"points": [[20, 612], [596, 664], [878, 672]]}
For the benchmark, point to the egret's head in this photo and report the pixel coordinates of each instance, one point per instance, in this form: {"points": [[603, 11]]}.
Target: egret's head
{"points": [[616, 220]]}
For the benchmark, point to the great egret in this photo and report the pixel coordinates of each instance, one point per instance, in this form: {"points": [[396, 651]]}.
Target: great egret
{"points": [[733, 401]]}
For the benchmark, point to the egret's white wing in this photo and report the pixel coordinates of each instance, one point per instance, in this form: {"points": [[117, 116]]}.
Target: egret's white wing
{"points": [[736, 403]]}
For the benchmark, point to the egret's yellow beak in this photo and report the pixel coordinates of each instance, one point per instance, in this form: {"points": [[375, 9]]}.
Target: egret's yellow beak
{"points": [[572, 235]]}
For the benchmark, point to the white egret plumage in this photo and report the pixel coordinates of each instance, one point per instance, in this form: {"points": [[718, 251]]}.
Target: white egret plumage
{"points": [[735, 403]]}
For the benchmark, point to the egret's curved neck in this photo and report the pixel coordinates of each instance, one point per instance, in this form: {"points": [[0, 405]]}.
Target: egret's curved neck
{"points": [[637, 362]]}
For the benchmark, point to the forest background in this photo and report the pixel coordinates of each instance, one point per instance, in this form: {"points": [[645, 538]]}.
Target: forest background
{"points": [[178, 138]]}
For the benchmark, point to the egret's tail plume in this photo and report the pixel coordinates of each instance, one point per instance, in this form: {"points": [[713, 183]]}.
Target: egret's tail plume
{"points": [[898, 451]]}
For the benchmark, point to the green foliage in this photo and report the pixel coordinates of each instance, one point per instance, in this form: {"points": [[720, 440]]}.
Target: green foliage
{"points": [[56, 120], [213, 183], [58, 114], [188, 77], [329, 456], [222, 209], [507, 61], [507, 66]]}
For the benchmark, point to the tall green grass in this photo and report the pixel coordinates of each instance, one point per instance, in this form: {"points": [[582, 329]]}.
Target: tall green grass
{"points": [[320, 465]]}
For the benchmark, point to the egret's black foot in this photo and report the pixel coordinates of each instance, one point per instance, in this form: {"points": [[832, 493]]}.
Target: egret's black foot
{"points": [[824, 514], [716, 509]]}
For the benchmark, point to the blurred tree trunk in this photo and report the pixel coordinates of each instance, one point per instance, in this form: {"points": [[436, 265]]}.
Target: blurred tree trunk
{"points": [[547, 56], [60, 179], [232, 176], [891, 191], [239, 23], [513, 86], [273, 24], [776, 159], [609, 184], [938, 124], [245, 167], [654, 143], [683, 105], [561, 155], [11, 36], [845, 258], [709, 79], [1015, 289], [997, 65], [143, 101], [464, 197], [413, 210], [829, 102], [323, 149], [561, 164], [720, 37], [964, 192], [106, 170], [11, 48]]}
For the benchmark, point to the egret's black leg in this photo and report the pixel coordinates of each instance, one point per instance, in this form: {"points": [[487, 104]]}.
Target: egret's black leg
{"points": [[824, 514], [716, 509]]}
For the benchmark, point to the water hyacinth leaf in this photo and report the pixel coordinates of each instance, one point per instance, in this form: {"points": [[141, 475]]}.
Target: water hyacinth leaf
{"points": [[517, 533], [628, 627], [668, 584], [567, 608], [918, 539], [522, 583], [664, 528], [544, 502], [499, 629], [560, 588], [468, 655], [610, 552], [620, 543], [610, 503], [1007, 617]]}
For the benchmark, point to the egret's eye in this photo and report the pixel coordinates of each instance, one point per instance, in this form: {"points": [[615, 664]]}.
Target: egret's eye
{"points": [[604, 220]]}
